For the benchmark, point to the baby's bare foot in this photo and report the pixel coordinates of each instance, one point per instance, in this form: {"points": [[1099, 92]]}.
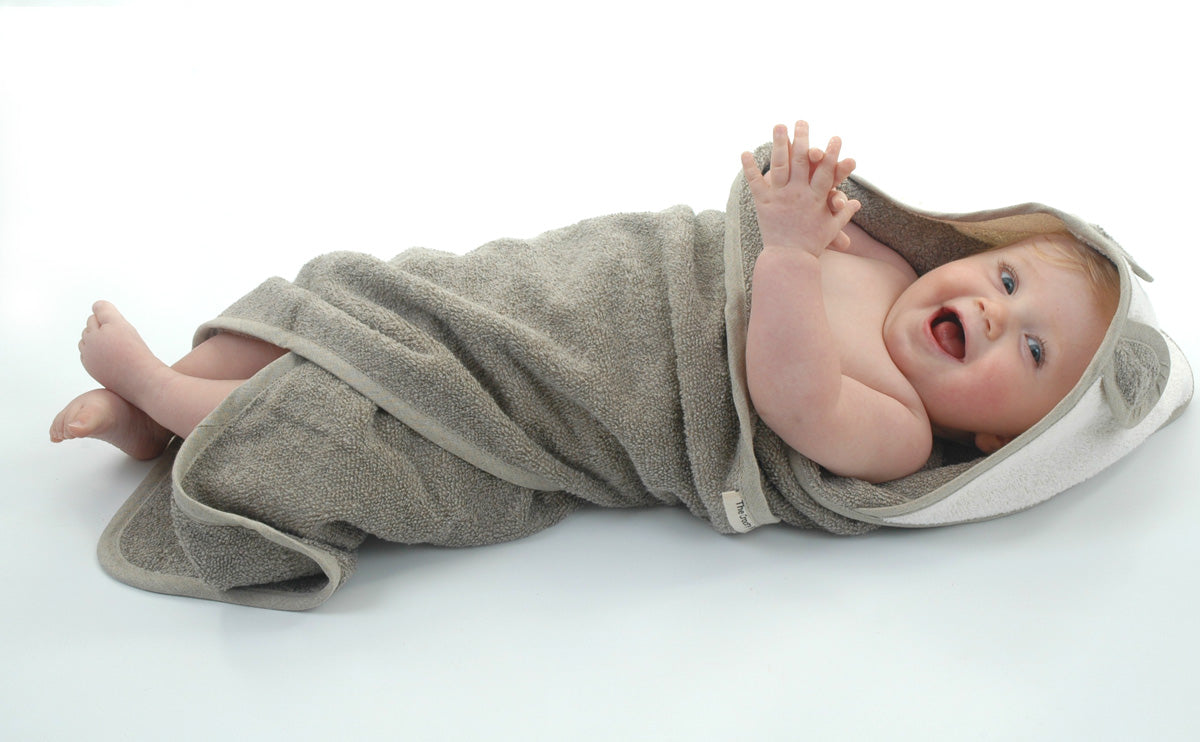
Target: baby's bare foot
{"points": [[102, 414], [116, 356]]}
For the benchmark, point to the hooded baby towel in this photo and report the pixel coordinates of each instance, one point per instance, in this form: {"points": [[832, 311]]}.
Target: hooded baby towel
{"points": [[463, 400]]}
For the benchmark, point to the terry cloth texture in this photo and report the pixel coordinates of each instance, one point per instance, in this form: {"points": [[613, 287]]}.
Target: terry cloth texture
{"points": [[465, 400]]}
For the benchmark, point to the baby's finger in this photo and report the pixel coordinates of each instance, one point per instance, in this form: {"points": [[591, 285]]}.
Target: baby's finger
{"points": [[844, 168], [780, 154], [815, 155], [850, 209], [800, 151], [841, 242], [837, 200], [822, 177], [751, 171]]}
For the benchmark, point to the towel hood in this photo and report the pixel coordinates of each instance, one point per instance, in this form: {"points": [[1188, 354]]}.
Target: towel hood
{"points": [[1137, 382]]}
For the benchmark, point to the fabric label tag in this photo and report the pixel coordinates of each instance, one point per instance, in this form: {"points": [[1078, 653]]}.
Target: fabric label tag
{"points": [[737, 513]]}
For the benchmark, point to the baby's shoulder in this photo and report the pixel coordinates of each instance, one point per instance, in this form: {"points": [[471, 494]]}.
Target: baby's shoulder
{"points": [[866, 246]]}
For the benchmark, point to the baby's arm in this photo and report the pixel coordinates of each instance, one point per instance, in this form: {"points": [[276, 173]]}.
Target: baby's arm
{"points": [[793, 362]]}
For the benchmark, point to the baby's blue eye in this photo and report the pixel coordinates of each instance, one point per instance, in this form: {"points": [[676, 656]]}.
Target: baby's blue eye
{"points": [[1035, 349], [1008, 279]]}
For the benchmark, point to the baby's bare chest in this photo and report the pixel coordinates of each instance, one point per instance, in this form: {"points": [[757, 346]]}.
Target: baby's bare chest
{"points": [[858, 293]]}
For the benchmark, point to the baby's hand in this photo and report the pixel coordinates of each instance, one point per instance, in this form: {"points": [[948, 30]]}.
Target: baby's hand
{"points": [[796, 202]]}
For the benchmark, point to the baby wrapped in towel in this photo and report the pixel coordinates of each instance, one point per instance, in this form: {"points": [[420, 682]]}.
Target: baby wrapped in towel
{"points": [[774, 363]]}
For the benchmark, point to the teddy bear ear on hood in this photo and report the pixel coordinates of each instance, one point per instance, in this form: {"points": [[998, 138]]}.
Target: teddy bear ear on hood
{"points": [[1136, 355], [1137, 382], [1136, 378]]}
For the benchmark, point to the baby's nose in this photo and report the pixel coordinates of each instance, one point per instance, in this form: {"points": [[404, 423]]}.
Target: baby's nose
{"points": [[995, 316]]}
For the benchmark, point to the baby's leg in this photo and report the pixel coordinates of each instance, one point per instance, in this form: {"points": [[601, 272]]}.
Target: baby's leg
{"points": [[228, 356], [145, 401], [116, 356]]}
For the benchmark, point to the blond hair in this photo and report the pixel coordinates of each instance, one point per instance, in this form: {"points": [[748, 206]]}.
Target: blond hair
{"points": [[1068, 252]]}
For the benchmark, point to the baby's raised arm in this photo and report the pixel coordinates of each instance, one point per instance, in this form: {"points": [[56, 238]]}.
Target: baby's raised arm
{"points": [[793, 361]]}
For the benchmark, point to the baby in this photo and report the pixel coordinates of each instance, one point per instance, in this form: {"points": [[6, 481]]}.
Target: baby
{"points": [[851, 358], [855, 361]]}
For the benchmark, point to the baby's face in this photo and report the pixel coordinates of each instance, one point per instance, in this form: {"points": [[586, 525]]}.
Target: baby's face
{"points": [[993, 341]]}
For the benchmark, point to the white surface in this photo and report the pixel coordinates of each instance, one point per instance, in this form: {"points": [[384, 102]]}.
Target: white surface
{"points": [[169, 161]]}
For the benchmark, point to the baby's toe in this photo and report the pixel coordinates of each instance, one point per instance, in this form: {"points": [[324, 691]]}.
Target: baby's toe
{"points": [[70, 423], [105, 312], [56, 427]]}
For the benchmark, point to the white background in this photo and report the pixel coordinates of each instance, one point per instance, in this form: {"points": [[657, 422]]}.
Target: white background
{"points": [[169, 160]]}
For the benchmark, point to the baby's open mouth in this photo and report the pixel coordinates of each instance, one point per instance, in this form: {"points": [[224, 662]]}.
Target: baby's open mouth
{"points": [[948, 332]]}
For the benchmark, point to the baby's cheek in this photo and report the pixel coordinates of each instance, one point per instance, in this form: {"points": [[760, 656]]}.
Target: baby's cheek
{"points": [[988, 397], [1009, 406]]}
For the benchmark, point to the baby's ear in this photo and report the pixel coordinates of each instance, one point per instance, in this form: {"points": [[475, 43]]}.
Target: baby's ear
{"points": [[991, 442]]}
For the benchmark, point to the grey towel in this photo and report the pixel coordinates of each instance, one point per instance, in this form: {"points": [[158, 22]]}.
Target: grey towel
{"points": [[465, 400]]}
